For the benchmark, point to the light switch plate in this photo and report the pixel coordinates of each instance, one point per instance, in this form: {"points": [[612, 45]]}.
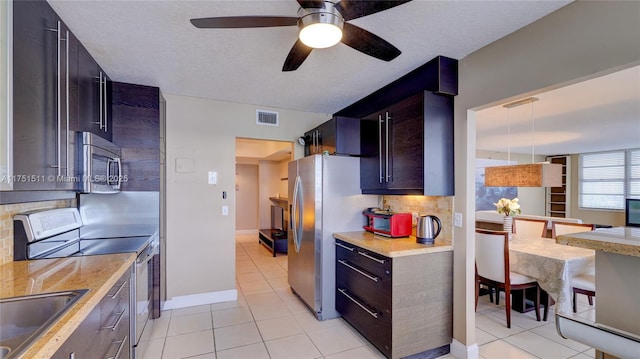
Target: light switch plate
{"points": [[225, 210], [213, 177], [457, 219]]}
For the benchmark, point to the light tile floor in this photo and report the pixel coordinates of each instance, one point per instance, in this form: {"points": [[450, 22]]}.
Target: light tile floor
{"points": [[269, 321]]}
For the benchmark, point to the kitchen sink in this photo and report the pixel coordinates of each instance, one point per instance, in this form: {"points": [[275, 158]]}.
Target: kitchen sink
{"points": [[24, 319]]}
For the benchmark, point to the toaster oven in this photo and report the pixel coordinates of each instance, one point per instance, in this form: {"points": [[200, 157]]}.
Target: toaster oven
{"points": [[387, 223]]}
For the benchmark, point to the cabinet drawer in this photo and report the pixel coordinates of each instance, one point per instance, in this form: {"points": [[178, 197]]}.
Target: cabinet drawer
{"points": [[375, 290], [375, 326], [116, 344], [115, 301], [118, 348], [369, 261]]}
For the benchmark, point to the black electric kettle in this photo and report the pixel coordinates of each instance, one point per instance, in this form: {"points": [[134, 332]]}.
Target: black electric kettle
{"points": [[425, 230]]}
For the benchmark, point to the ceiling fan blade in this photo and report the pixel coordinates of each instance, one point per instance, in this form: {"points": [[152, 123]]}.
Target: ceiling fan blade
{"points": [[299, 52], [353, 9], [232, 22], [311, 4], [368, 43]]}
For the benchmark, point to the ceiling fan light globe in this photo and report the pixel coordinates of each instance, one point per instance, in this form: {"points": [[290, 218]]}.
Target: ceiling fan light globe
{"points": [[320, 35]]}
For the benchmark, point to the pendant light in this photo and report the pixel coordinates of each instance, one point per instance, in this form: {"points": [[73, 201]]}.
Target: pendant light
{"points": [[541, 174]]}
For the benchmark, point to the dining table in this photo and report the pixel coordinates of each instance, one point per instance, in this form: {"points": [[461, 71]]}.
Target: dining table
{"points": [[552, 265]]}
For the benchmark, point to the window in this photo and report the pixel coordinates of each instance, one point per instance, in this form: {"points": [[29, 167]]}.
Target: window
{"points": [[607, 178], [633, 174]]}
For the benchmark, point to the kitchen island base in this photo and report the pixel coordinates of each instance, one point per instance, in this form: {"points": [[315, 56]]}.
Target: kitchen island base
{"points": [[396, 293]]}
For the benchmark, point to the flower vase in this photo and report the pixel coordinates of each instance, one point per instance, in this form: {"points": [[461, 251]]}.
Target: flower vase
{"points": [[507, 224]]}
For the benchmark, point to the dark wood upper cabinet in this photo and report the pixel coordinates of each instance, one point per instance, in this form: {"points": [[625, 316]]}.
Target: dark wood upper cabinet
{"points": [[45, 98], [136, 130], [407, 148], [406, 132], [95, 112], [339, 136], [439, 76]]}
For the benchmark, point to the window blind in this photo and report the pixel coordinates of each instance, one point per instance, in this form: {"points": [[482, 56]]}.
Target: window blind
{"points": [[602, 180], [633, 174]]}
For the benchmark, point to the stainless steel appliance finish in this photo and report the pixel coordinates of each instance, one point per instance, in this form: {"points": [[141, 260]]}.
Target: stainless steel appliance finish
{"points": [[427, 229], [101, 165], [325, 198], [46, 234], [127, 213], [143, 289], [105, 224]]}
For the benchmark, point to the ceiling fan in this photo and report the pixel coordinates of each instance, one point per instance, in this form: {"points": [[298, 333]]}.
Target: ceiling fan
{"points": [[322, 24]]}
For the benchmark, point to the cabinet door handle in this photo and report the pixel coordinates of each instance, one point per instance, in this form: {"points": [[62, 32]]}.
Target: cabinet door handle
{"points": [[100, 99], [120, 347], [350, 249], [59, 98], [386, 167], [120, 288], [380, 146], [344, 292], [381, 261], [66, 134], [117, 323], [344, 263], [104, 99]]}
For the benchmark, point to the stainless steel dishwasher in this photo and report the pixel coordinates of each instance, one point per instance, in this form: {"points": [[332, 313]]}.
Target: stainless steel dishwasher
{"points": [[142, 284]]}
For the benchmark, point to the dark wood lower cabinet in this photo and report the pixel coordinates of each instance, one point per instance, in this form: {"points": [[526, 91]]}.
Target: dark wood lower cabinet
{"points": [[105, 333], [402, 305]]}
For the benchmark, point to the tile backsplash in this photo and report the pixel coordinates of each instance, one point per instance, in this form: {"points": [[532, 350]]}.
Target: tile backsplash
{"points": [[441, 207], [6, 222]]}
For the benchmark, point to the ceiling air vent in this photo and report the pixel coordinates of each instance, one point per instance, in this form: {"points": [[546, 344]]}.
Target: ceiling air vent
{"points": [[267, 118]]}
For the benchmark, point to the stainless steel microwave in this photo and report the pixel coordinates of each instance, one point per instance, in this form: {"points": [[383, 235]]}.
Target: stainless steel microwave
{"points": [[101, 165]]}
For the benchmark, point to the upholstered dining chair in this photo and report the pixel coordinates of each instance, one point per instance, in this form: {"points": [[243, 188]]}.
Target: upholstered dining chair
{"points": [[532, 228], [583, 284], [560, 228], [492, 269]]}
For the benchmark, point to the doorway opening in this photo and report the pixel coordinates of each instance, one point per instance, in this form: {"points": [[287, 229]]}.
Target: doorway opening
{"points": [[261, 182]]}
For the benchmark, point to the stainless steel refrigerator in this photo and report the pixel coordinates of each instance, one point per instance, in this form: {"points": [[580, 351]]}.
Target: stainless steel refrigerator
{"points": [[324, 198]]}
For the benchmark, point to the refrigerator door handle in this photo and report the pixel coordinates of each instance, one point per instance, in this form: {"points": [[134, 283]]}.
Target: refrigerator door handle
{"points": [[297, 215]]}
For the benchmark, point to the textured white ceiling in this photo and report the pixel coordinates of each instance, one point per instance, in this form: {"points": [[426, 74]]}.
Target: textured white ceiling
{"points": [[153, 43], [600, 114]]}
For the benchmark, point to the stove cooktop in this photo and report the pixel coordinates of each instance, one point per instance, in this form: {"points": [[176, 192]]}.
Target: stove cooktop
{"points": [[112, 245]]}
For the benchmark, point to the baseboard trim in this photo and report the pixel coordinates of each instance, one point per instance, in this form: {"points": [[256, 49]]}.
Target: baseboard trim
{"points": [[461, 351], [200, 299]]}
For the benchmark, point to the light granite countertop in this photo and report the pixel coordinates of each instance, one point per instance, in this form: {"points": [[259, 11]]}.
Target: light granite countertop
{"points": [[392, 247], [618, 240], [98, 274]]}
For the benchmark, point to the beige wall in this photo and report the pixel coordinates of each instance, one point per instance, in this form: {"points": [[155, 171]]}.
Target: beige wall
{"points": [[246, 197], [6, 222], [284, 179], [579, 41], [269, 185], [532, 199], [202, 133]]}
